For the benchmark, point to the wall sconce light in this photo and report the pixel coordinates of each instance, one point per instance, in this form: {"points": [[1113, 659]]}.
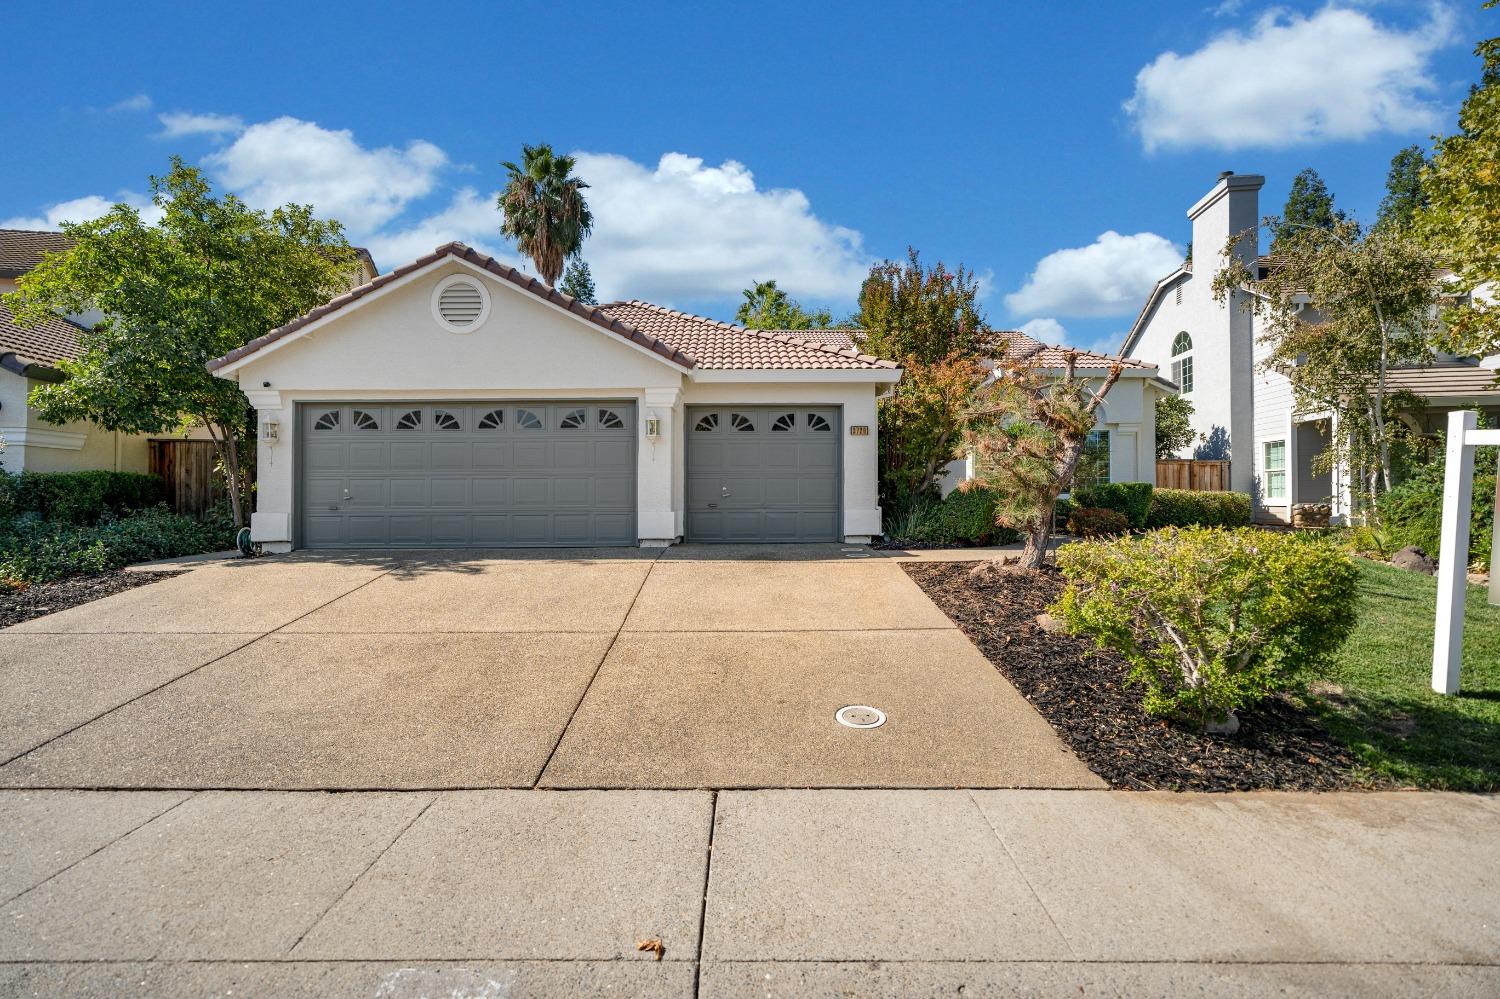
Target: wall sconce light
{"points": [[270, 432], [653, 429]]}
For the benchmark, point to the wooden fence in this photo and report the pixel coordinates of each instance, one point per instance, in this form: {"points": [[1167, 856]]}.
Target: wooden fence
{"points": [[1185, 473], [193, 486]]}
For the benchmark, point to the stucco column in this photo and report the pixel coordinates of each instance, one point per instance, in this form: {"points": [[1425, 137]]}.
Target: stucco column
{"points": [[861, 470], [271, 523], [658, 518]]}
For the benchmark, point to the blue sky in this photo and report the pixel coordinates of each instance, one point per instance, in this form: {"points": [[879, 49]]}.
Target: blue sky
{"points": [[727, 143]]}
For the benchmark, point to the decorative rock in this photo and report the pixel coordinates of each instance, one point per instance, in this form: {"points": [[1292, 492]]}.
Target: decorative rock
{"points": [[1415, 559], [1048, 623], [1311, 514], [1228, 725]]}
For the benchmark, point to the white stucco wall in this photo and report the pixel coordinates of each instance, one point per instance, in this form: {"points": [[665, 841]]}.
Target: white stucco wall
{"points": [[391, 348]]}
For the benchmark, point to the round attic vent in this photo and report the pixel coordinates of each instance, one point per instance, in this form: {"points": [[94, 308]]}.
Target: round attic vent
{"points": [[460, 303]]}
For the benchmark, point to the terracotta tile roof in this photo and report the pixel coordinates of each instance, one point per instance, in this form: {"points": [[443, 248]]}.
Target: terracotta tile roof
{"points": [[593, 314], [22, 249], [1449, 378], [1020, 347], [717, 345], [55, 339]]}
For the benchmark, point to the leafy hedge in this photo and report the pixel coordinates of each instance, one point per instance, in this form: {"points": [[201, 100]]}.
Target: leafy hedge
{"points": [[1131, 499], [1097, 522], [78, 497], [1191, 508], [37, 551], [963, 517]]}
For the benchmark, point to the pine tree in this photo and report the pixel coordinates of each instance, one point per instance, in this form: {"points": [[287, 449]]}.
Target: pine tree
{"points": [[1309, 205], [579, 283], [1403, 188]]}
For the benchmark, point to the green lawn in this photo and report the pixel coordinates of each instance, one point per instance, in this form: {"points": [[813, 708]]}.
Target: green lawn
{"points": [[1388, 714]]}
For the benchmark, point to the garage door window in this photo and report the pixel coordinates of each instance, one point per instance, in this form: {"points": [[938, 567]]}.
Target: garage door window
{"points": [[818, 423], [574, 420], [444, 420], [410, 420], [610, 420], [785, 423], [707, 423], [742, 423], [527, 420], [493, 420], [365, 421], [327, 421]]}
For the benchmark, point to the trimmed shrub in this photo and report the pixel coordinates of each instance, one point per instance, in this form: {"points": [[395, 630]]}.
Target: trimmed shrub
{"points": [[79, 497], [1190, 508], [963, 517], [36, 551], [1133, 499], [1211, 620], [1097, 522]]}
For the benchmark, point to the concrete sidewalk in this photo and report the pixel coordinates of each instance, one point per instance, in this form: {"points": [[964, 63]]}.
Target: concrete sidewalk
{"points": [[509, 893]]}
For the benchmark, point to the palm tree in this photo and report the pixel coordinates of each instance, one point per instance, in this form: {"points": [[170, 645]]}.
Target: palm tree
{"points": [[544, 209]]}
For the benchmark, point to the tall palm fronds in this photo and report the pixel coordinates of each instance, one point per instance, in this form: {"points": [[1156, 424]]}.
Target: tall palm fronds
{"points": [[544, 209]]}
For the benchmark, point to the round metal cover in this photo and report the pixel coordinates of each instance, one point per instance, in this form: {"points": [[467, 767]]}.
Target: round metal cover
{"points": [[860, 716]]}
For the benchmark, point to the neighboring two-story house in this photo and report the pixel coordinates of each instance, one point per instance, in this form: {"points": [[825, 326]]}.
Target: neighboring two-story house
{"points": [[1243, 412]]}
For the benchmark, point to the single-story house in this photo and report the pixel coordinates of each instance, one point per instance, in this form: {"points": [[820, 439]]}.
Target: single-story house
{"points": [[456, 401], [1122, 446]]}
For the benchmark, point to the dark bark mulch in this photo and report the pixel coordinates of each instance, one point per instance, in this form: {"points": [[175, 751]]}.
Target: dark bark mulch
{"points": [[40, 599], [1082, 692]]}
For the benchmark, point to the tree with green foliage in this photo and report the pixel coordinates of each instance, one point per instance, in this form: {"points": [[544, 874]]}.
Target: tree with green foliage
{"points": [[578, 282], [212, 275], [1027, 429], [767, 307], [544, 209], [1309, 208], [928, 320], [1339, 309], [1404, 196], [1461, 220], [1174, 425]]}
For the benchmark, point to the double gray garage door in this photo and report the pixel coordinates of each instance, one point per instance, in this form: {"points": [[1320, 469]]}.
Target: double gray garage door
{"points": [[491, 474], [532, 474]]}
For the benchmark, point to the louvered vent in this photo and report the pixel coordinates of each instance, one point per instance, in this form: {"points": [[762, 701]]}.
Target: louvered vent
{"points": [[460, 304]]}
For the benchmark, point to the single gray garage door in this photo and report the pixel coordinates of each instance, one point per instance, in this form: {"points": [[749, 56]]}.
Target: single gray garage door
{"points": [[489, 474], [763, 473]]}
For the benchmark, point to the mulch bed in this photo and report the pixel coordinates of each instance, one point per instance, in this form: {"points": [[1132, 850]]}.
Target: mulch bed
{"points": [[1082, 692], [39, 599]]}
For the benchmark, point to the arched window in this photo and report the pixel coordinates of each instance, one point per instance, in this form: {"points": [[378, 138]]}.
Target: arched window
{"points": [[1182, 362]]}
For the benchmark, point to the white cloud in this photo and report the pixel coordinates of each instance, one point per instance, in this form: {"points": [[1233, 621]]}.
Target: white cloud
{"points": [[470, 218], [138, 102], [288, 160], [1109, 277], [1292, 80], [685, 230], [84, 209], [1045, 329], [175, 124]]}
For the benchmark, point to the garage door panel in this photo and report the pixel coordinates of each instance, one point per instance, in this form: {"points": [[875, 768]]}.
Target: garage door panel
{"points": [[779, 482], [422, 475]]}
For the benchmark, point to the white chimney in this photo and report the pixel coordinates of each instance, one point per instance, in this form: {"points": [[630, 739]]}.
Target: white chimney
{"points": [[1231, 207]]}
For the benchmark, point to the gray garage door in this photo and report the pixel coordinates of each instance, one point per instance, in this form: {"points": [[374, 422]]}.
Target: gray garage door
{"points": [[490, 474], [763, 473]]}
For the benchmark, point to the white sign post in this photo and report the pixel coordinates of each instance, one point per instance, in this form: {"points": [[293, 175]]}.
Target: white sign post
{"points": [[1453, 559]]}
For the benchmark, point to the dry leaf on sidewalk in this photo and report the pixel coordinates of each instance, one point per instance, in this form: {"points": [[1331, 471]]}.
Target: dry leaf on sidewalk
{"points": [[654, 945]]}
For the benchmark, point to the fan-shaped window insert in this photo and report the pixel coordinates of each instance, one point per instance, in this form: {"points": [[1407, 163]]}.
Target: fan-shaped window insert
{"points": [[784, 422], [741, 422], [493, 420], [365, 421], [328, 420], [1181, 344], [819, 423], [707, 422], [410, 420], [461, 304], [610, 420], [444, 420], [527, 420], [574, 420]]}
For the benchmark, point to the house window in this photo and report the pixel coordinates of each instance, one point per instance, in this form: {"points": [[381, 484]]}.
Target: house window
{"points": [[1093, 465], [1182, 363], [1275, 469]]}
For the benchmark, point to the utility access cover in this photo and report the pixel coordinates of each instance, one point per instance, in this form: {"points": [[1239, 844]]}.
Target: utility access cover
{"points": [[860, 716]]}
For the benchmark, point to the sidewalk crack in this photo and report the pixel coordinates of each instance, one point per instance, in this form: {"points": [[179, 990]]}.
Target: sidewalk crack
{"points": [[1022, 871]]}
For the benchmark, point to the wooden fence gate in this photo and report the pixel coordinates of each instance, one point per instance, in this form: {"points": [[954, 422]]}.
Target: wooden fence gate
{"points": [[193, 486], [1194, 474]]}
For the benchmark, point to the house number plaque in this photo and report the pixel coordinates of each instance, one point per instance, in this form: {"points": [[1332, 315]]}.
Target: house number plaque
{"points": [[859, 431]]}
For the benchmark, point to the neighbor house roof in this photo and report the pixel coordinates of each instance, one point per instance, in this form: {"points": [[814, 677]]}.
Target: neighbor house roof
{"points": [[22, 249], [1448, 378], [725, 346], [1020, 347], [686, 340], [22, 348]]}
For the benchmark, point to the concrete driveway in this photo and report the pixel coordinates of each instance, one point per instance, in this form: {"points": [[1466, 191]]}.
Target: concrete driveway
{"points": [[690, 668]]}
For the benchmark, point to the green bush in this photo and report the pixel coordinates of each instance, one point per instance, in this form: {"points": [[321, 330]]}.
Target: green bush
{"points": [[963, 517], [1211, 620], [1191, 508], [1132, 499], [36, 551], [1412, 513], [1097, 522], [79, 497]]}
